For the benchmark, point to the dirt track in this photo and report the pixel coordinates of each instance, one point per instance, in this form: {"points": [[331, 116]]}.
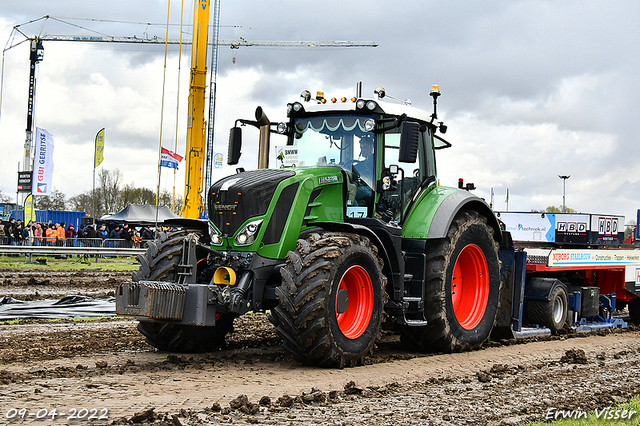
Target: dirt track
{"points": [[106, 365]]}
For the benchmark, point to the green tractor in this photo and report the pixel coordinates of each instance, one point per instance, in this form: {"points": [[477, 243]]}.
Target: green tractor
{"points": [[350, 232]]}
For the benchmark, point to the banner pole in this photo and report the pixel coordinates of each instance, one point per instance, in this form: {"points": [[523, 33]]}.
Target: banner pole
{"points": [[93, 197]]}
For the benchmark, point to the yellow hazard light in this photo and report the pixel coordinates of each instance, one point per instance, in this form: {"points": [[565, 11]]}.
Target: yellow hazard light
{"points": [[435, 88], [319, 95]]}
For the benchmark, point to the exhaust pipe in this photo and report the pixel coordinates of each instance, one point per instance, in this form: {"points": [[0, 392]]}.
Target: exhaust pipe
{"points": [[265, 138]]}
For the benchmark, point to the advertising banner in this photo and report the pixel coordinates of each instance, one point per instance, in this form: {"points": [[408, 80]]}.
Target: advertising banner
{"points": [[572, 228], [99, 151], [24, 181], [529, 226], [607, 229], [218, 159], [42, 163], [287, 155], [29, 210]]}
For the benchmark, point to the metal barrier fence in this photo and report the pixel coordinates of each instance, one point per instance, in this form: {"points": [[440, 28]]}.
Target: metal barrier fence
{"points": [[71, 247], [72, 242]]}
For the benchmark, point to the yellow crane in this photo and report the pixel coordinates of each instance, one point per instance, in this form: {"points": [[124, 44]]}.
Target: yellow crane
{"points": [[196, 124], [197, 148]]}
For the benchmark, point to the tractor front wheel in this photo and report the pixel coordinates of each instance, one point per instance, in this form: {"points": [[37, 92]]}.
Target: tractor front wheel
{"points": [[462, 287], [159, 263], [331, 299]]}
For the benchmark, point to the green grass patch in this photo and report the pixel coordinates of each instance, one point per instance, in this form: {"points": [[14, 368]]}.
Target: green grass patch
{"points": [[70, 263], [623, 414]]}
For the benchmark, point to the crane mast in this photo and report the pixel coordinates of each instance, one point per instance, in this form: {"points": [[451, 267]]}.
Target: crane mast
{"points": [[196, 124]]}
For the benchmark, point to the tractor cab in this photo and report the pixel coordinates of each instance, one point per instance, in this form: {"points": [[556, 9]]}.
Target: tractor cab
{"points": [[385, 150]]}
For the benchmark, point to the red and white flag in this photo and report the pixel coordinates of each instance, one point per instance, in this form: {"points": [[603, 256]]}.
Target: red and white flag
{"points": [[169, 159]]}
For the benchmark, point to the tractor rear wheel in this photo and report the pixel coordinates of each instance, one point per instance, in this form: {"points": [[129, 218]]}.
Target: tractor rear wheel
{"points": [[159, 263], [551, 313], [331, 299], [462, 287]]}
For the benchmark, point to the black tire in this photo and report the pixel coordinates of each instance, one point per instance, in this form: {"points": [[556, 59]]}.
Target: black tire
{"points": [[459, 320], [331, 300], [634, 310], [159, 263], [551, 313], [186, 338]]}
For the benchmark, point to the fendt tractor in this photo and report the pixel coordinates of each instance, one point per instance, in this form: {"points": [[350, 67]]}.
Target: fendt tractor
{"points": [[349, 233]]}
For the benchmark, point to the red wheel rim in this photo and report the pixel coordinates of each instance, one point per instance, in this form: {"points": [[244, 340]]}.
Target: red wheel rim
{"points": [[470, 287], [355, 319]]}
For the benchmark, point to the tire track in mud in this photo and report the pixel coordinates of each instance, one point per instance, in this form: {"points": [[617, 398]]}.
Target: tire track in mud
{"points": [[106, 364]]}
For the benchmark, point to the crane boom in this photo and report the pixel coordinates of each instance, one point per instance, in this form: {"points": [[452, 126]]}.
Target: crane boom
{"points": [[231, 43]]}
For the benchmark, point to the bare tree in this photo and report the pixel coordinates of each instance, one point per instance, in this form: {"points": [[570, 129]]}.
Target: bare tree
{"points": [[82, 203], [107, 195], [166, 199], [134, 195], [4, 198], [55, 201]]}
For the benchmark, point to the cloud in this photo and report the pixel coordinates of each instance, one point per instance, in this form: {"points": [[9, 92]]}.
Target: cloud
{"points": [[531, 89]]}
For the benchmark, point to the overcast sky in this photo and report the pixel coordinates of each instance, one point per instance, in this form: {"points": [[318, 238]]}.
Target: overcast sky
{"points": [[530, 89]]}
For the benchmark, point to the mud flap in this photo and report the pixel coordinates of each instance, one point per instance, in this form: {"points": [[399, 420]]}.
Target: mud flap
{"points": [[512, 274]]}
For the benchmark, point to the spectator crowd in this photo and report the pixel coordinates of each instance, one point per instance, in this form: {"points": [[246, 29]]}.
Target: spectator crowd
{"points": [[15, 232]]}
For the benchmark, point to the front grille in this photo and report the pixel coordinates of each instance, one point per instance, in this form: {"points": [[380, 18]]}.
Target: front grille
{"points": [[237, 197]]}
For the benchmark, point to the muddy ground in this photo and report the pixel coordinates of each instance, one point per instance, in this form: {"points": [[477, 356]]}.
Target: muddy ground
{"points": [[106, 368]]}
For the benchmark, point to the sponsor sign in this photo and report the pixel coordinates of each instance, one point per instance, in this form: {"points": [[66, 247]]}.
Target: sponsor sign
{"points": [[24, 181], [606, 229], [287, 156], [594, 257], [529, 226], [99, 150], [29, 210], [572, 228], [42, 163], [218, 159]]}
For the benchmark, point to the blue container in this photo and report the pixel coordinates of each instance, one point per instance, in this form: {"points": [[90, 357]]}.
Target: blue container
{"points": [[53, 216]]}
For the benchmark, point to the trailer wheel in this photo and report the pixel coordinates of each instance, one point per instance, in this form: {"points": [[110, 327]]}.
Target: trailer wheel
{"points": [[462, 288], [331, 299], [551, 313], [159, 263], [634, 310]]}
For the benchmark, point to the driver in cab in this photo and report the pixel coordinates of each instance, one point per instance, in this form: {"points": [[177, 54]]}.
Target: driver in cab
{"points": [[364, 169]]}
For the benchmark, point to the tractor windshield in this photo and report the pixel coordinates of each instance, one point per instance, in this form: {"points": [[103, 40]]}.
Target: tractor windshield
{"points": [[332, 140], [340, 141]]}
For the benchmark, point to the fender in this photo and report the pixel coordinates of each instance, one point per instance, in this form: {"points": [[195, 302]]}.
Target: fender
{"points": [[367, 232], [433, 213], [540, 288]]}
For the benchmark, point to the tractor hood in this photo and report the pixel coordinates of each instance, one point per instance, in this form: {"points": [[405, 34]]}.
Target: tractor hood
{"points": [[265, 210]]}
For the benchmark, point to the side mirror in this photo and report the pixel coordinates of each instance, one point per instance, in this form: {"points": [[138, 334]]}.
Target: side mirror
{"points": [[235, 145], [409, 141]]}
